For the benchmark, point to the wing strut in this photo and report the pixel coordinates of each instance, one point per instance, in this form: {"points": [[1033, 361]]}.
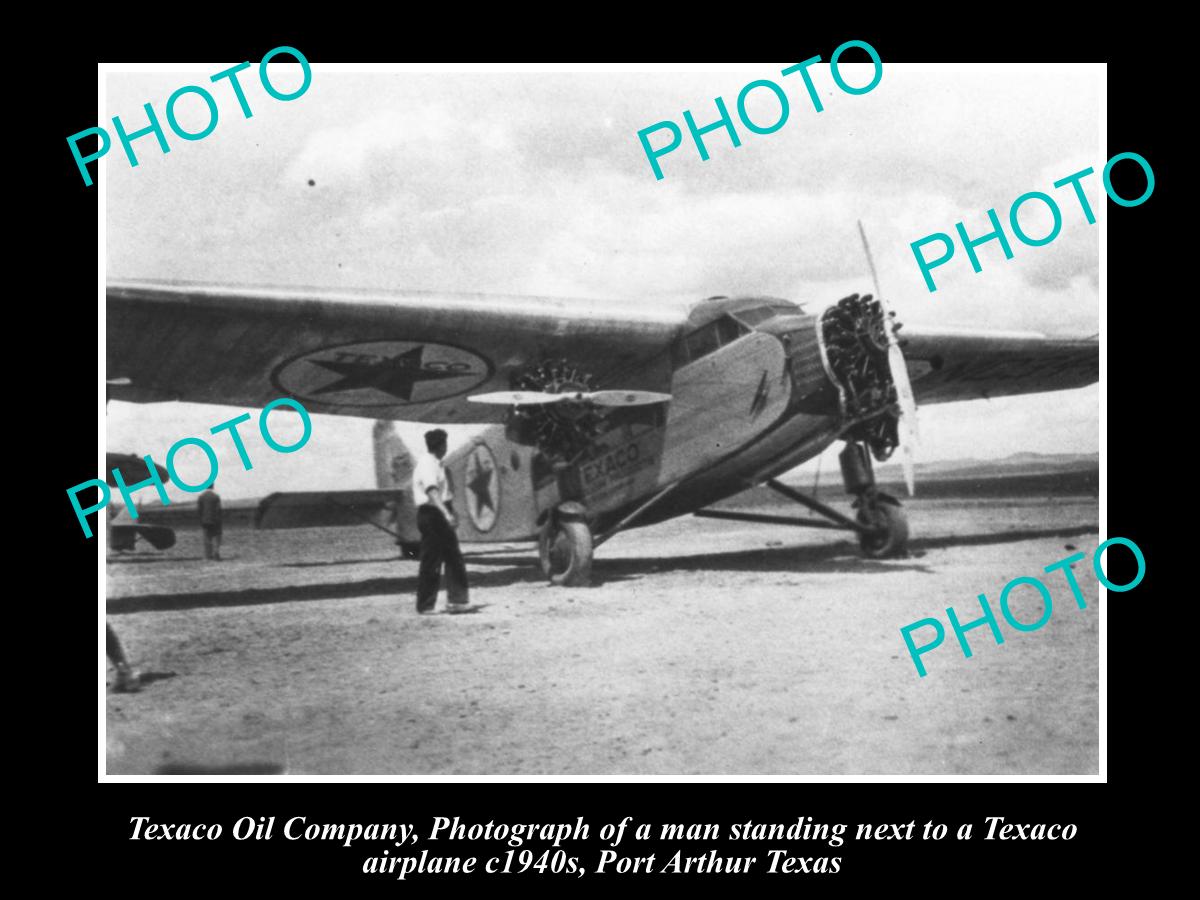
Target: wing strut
{"points": [[641, 510]]}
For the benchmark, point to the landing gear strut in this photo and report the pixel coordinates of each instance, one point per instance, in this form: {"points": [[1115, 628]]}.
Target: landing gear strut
{"points": [[565, 547], [885, 523], [880, 522]]}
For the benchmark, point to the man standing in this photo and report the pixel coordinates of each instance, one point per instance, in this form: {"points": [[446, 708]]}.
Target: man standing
{"points": [[209, 506], [436, 522]]}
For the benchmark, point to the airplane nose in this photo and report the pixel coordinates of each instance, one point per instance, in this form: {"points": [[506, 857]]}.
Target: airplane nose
{"points": [[813, 390], [858, 352]]}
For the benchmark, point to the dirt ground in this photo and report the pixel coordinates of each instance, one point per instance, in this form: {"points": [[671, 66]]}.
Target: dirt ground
{"points": [[704, 647]]}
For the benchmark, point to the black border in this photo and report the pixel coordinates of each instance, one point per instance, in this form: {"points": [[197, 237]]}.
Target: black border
{"points": [[62, 214]]}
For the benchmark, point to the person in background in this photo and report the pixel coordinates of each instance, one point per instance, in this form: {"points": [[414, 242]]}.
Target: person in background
{"points": [[209, 506], [436, 522]]}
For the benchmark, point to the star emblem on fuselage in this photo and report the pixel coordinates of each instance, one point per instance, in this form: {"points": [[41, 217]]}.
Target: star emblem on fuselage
{"points": [[482, 480], [481, 486], [395, 375]]}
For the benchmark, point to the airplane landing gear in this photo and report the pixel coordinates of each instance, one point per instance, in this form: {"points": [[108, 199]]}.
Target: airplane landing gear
{"points": [[565, 548], [880, 522], [881, 514], [889, 528]]}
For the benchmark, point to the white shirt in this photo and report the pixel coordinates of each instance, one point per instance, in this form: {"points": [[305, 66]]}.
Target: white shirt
{"points": [[430, 473]]}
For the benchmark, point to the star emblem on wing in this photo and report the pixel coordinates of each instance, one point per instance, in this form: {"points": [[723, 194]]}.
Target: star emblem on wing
{"points": [[395, 375]]}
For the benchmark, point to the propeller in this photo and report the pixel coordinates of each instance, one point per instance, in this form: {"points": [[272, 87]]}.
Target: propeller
{"points": [[899, 371], [599, 398], [627, 398]]}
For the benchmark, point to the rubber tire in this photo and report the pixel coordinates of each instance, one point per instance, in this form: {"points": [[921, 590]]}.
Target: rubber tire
{"points": [[574, 536], [894, 540]]}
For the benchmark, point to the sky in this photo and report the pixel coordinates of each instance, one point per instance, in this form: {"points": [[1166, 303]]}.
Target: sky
{"points": [[535, 182]]}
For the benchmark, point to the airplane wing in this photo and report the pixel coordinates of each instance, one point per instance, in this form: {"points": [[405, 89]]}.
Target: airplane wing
{"points": [[949, 364], [373, 354], [388, 510]]}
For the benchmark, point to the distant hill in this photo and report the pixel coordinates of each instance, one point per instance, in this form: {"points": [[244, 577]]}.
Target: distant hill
{"points": [[1018, 475], [1005, 467]]}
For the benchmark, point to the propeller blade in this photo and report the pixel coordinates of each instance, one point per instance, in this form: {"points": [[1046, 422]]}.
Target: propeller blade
{"points": [[520, 398], [626, 398], [899, 372], [908, 419], [599, 398]]}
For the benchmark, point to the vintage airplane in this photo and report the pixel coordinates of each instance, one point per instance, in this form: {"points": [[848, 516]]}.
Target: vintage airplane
{"points": [[601, 418], [122, 535]]}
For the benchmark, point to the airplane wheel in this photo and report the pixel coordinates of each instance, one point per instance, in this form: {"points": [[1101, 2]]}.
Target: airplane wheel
{"points": [[565, 553], [891, 538]]}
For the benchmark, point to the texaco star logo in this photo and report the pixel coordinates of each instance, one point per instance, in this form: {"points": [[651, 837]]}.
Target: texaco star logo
{"points": [[382, 373], [483, 488]]}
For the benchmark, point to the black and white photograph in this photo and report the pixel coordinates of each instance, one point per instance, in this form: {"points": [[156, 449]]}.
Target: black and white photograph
{"points": [[603, 421]]}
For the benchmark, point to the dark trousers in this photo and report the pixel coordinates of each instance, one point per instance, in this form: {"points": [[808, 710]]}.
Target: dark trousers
{"points": [[439, 546]]}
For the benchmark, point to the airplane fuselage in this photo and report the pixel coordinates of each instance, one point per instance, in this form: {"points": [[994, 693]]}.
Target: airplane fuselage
{"points": [[750, 399]]}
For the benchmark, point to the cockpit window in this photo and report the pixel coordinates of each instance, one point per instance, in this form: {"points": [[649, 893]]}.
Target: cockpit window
{"points": [[708, 338], [758, 314], [703, 341]]}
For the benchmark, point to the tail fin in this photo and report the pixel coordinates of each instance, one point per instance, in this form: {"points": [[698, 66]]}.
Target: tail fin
{"points": [[393, 462]]}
